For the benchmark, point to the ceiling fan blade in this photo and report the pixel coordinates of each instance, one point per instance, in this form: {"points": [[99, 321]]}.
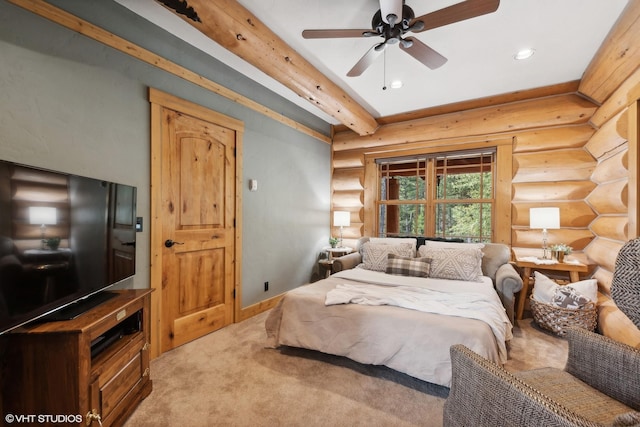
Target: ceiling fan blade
{"points": [[330, 34], [423, 53], [391, 7], [456, 13], [364, 62]]}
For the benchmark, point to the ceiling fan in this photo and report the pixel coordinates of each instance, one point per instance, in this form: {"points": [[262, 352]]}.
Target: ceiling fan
{"points": [[395, 19]]}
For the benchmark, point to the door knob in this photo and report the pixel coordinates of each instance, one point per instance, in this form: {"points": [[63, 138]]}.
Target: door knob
{"points": [[168, 243]]}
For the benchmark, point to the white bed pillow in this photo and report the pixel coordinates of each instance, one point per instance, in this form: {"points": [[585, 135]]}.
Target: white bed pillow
{"points": [[374, 255], [455, 262], [440, 244], [544, 288]]}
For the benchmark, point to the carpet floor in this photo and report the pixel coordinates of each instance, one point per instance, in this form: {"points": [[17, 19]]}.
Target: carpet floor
{"points": [[228, 378]]}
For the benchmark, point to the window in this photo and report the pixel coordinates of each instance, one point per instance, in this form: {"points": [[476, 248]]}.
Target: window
{"points": [[448, 195]]}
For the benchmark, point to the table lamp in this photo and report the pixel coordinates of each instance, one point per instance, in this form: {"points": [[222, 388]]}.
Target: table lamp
{"points": [[341, 219], [545, 219], [43, 216]]}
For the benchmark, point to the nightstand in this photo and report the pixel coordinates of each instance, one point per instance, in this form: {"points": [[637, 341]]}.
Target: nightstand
{"points": [[336, 252], [326, 265], [530, 264]]}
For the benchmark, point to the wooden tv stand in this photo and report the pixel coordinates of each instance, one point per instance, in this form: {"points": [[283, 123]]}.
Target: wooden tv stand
{"points": [[96, 365]]}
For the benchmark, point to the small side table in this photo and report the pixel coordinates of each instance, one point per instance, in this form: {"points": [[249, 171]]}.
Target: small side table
{"points": [[336, 252], [326, 265], [574, 270]]}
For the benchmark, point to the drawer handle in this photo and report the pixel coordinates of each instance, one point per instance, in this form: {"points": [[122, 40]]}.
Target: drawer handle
{"points": [[145, 373], [93, 416]]}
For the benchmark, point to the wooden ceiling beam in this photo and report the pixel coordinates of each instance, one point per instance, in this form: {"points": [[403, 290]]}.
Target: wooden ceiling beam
{"points": [[616, 59], [236, 29]]}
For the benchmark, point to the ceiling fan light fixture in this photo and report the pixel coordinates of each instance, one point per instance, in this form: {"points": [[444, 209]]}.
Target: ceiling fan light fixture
{"points": [[524, 53], [390, 7], [395, 19]]}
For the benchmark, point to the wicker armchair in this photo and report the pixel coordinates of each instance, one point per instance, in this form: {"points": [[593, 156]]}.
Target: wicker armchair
{"points": [[600, 386]]}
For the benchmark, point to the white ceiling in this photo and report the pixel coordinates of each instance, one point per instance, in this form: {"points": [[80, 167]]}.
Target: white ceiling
{"points": [[564, 33]]}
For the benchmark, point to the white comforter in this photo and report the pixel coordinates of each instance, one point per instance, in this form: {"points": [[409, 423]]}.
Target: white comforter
{"points": [[449, 297], [408, 340]]}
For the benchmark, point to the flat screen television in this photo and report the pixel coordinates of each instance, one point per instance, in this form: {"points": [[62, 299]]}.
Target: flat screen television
{"points": [[64, 239]]}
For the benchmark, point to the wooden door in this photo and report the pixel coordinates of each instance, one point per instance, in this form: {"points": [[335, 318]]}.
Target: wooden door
{"points": [[195, 226]]}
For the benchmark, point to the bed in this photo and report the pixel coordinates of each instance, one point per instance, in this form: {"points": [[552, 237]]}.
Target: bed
{"points": [[406, 322]]}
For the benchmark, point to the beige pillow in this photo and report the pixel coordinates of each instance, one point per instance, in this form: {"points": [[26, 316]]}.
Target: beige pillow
{"points": [[455, 262], [374, 255]]}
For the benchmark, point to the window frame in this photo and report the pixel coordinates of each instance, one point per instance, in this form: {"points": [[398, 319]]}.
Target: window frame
{"points": [[501, 217], [430, 198]]}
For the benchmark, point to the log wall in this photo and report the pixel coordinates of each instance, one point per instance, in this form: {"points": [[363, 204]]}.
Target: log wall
{"points": [[613, 202], [567, 151], [549, 135], [613, 78]]}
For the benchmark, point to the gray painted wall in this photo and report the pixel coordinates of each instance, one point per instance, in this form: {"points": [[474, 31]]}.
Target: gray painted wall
{"points": [[71, 104]]}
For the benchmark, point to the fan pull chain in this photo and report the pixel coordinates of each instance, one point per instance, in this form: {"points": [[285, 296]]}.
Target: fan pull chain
{"points": [[384, 70]]}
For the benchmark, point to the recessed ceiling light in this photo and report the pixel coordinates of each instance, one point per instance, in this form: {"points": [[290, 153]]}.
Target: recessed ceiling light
{"points": [[396, 84], [525, 53]]}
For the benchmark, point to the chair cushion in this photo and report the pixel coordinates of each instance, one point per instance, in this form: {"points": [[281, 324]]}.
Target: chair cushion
{"points": [[574, 394]]}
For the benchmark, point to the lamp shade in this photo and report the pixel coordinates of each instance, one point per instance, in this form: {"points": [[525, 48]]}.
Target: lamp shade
{"points": [[341, 219], [42, 215], [545, 218]]}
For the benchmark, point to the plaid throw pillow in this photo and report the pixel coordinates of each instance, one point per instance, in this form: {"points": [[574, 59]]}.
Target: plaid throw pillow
{"points": [[403, 266]]}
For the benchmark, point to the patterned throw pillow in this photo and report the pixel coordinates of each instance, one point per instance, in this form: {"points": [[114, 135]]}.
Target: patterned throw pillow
{"points": [[544, 289], [403, 266], [374, 256], [395, 241], [454, 263], [567, 297]]}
